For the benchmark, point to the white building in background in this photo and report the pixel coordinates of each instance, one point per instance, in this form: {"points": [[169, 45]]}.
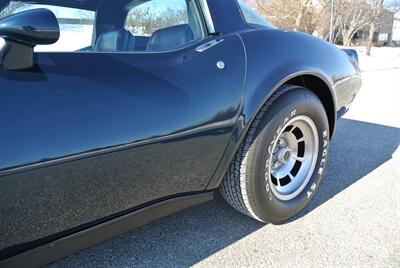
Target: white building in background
{"points": [[384, 32], [396, 29]]}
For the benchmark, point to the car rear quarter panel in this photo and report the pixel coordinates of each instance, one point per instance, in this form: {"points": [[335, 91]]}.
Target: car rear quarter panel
{"points": [[273, 58], [276, 56]]}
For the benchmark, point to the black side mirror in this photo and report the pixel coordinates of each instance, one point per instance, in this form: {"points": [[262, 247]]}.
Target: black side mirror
{"points": [[22, 32]]}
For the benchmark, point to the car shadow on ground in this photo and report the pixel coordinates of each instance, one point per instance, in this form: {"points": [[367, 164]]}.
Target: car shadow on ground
{"points": [[190, 236], [357, 149]]}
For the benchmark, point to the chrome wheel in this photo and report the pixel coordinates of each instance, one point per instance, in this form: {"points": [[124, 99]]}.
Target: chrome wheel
{"points": [[293, 158]]}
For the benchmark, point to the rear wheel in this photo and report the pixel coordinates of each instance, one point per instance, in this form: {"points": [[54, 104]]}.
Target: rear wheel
{"points": [[279, 165]]}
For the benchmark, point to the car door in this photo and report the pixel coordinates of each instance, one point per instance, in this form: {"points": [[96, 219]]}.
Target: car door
{"points": [[88, 134]]}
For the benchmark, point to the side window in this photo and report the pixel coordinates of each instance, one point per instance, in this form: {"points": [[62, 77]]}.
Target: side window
{"points": [[251, 17], [162, 25], [76, 25], [121, 26]]}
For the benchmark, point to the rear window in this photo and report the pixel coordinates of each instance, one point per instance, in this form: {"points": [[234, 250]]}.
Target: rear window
{"points": [[251, 17]]}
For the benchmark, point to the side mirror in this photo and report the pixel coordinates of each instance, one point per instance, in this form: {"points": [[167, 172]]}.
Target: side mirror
{"points": [[22, 32]]}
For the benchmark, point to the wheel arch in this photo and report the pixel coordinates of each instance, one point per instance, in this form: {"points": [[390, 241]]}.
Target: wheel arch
{"points": [[313, 81], [322, 90], [316, 82]]}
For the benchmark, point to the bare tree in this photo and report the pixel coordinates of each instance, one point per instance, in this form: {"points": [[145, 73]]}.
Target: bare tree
{"points": [[297, 15], [355, 16], [319, 21], [305, 6], [281, 13], [313, 16], [376, 10], [379, 15]]}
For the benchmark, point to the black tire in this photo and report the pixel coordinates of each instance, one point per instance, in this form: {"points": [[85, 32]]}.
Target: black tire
{"points": [[245, 186]]}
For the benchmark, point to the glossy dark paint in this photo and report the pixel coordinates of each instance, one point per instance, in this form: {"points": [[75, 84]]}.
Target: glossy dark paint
{"points": [[32, 27], [288, 53], [88, 135], [73, 241], [226, 23], [147, 128], [284, 56]]}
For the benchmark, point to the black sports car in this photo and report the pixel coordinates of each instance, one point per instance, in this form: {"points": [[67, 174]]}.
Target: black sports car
{"points": [[116, 113]]}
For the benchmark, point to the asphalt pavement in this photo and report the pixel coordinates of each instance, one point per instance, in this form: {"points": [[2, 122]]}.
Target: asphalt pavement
{"points": [[354, 220]]}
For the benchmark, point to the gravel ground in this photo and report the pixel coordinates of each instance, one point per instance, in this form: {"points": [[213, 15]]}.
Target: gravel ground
{"points": [[354, 220]]}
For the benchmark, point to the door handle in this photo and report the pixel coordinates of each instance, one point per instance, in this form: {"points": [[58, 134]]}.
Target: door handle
{"points": [[208, 45]]}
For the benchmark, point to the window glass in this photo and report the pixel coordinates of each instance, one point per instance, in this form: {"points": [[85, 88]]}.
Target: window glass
{"points": [[145, 19], [119, 26], [251, 17], [76, 25], [161, 25]]}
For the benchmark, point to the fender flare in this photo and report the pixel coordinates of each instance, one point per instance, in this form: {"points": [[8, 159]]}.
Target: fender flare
{"points": [[243, 125], [269, 93]]}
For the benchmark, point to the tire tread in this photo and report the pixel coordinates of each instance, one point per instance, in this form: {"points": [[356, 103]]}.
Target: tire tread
{"points": [[235, 187]]}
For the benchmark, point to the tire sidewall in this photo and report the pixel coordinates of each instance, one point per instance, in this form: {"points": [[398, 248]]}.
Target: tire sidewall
{"points": [[294, 103]]}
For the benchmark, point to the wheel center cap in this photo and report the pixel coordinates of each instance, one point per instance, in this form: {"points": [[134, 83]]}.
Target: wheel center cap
{"points": [[284, 155]]}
